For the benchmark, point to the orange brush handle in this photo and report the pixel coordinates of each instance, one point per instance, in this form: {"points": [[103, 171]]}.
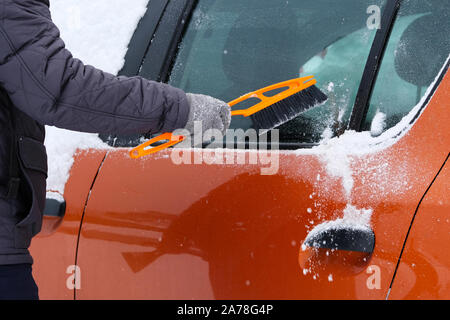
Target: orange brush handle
{"points": [[293, 86], [142, 150]]}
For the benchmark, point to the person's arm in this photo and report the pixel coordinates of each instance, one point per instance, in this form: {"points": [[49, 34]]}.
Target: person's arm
{"points": [[43, 80]]}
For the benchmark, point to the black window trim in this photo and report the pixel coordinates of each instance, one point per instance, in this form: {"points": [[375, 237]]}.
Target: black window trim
{"points": [[140, 41], [372, 67], [163, 50]]}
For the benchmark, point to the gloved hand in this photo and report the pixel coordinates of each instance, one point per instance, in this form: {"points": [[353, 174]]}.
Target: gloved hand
{"points": [[211, 112]]}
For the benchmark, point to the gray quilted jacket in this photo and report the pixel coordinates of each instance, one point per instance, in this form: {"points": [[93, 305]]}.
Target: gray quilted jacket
{"points": [[42, 84]]}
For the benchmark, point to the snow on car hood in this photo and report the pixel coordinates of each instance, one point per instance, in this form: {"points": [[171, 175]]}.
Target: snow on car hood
{"points": [[98, 33]]}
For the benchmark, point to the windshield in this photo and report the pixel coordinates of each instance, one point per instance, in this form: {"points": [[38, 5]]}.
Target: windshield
{"points": [[233, 47]]}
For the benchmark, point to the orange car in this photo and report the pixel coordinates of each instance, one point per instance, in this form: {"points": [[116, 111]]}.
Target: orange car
{"points": [[354, 205]]}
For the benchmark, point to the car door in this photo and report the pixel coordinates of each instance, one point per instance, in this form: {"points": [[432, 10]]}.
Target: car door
{"points": [[325, 216]]}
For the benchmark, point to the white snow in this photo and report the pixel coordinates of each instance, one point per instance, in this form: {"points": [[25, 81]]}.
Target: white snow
{"points": [[327, 134], [61, 147], [98, 33], [378, 124], [353, 219], [338, 165], [330, 87]]}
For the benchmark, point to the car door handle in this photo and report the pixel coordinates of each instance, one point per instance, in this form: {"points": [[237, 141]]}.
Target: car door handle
{"points": [[347, 239], [54, 208], [53, 216], [344, 251]]}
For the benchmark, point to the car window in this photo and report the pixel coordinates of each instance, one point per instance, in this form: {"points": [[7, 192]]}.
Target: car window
{"points": [[234, 47], [417, 50]]}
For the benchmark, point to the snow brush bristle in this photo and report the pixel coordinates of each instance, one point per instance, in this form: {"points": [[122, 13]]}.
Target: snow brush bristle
{"points": [[288, 109]]}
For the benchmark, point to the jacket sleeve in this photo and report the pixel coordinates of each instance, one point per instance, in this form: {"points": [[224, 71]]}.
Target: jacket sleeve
{"points": [[43, 80]]}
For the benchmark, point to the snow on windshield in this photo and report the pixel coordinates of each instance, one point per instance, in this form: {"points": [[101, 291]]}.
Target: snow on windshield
{"points": [[98, 33]]}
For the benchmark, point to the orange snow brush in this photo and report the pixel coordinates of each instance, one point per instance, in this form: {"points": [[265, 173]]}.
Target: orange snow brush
{"points": [[298, 96]]}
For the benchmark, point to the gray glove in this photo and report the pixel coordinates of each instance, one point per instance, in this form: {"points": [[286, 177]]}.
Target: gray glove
{"points": [[211, 112]]}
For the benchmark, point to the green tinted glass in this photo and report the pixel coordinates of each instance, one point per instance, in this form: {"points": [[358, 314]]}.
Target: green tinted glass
{"points": [[417, 50], [233, 47]]}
